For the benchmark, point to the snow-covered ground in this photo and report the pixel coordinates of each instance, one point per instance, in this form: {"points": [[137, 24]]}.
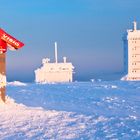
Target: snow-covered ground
{"points": [[71, 111]]}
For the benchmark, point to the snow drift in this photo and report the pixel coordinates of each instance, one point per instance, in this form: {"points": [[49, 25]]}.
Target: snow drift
{"points": [[16, 83]]}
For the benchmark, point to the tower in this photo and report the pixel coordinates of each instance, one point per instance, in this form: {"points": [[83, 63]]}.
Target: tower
{"points": [[132, 53]]}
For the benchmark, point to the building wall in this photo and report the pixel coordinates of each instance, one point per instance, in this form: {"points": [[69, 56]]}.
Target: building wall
{"points": [[133, 45], [53, 76], [54, 72]]}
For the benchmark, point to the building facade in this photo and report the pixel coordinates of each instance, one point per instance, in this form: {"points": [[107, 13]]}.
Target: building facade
{"points": [[132, 53]]}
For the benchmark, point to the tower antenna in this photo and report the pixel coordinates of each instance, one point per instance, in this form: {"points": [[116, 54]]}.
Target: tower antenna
{"points": [[56, 52]]}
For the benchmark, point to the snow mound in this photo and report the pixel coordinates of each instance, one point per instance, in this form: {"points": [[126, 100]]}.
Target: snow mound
{"points": [[124, 78], [9, 103], [16, 83]]}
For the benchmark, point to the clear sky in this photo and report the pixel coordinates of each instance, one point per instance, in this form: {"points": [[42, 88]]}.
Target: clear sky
{"points": [[88, 32]]}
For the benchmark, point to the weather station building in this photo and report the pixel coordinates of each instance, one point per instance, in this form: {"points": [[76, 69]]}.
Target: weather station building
{"points": [[132, 53], [54, 72]]}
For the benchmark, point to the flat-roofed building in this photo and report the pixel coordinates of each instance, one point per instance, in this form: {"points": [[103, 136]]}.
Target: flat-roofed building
{"points": [[54, 72]]}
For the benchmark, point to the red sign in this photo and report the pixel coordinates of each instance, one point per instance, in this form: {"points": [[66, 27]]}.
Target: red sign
{"points": [[3, 46], [9, 41]]}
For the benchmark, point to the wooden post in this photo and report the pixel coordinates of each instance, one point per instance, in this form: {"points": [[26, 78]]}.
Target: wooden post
{"points": [[2, 76]]}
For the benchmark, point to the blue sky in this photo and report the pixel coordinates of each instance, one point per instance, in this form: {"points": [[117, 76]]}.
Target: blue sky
{"points": [[88, 32]]}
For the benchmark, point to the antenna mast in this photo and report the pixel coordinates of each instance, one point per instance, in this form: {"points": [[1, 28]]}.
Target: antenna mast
{"points": [[56, 52]]}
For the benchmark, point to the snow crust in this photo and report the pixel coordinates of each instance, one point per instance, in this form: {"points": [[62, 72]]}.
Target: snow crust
{"points": [[88, 111]]}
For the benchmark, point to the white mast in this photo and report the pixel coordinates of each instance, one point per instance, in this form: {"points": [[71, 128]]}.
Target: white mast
{"points": [[56, 52], [135, 25]]}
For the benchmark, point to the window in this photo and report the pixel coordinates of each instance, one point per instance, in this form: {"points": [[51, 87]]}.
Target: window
{"points": [[134, 71]]}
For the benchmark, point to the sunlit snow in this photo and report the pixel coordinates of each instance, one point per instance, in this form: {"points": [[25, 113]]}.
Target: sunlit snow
{"points": [[80, 110]]}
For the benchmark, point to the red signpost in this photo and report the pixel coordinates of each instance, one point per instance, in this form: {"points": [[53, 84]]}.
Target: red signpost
{"points": [[6, 41]]}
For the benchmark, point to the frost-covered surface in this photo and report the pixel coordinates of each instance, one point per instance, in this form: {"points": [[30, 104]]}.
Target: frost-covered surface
{"points": [[2, 80], [95, 111]]}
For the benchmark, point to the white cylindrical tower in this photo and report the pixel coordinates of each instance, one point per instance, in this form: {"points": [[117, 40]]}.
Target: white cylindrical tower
{"points": [[135, 25]]}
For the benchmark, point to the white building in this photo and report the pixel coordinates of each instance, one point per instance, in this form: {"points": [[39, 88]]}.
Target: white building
{"points": [[54, 72], [132, 53]]}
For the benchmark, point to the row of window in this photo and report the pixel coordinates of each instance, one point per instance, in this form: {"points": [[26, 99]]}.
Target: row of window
{"points": [[134, 42], [134, 38], [134, 71], [60, 69], [135, 55], [134, 63], [134, 78]]}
